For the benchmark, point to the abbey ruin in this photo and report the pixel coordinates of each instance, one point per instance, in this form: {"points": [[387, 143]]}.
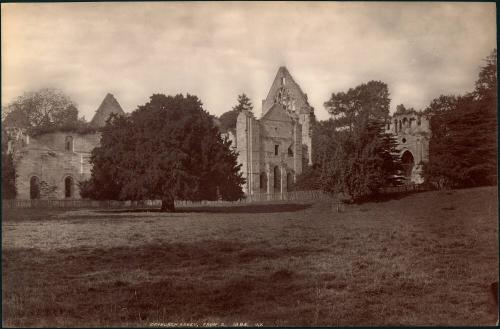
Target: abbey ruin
{"points": [[272, 149], [50, 165]]}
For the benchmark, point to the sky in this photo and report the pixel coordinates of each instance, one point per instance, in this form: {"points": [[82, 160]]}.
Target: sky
{"points": [[218, 50]]}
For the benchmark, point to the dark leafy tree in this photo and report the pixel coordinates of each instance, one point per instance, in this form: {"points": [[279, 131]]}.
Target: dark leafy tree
{"points": [[40, 110], [8, 170], [463, 146], [228, 119], [357, 156], [167, 149], [365, 102]]}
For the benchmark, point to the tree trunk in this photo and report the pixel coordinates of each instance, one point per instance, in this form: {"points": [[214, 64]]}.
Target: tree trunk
{"points": [[167, 205]]}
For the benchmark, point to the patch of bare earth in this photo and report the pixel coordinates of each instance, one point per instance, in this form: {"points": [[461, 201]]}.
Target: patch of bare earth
{"points": [[426, 259]]}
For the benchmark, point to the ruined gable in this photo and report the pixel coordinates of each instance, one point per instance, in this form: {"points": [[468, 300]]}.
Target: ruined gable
{"points": [[109, 105], [287, 92]]}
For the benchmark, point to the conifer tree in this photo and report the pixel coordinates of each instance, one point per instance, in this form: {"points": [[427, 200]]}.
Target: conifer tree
{"points": [[167, 149], [463, 146], [228, 119]]}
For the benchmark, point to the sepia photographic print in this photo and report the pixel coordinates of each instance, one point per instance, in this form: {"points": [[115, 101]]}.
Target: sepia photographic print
{"points": [[249, 164]]}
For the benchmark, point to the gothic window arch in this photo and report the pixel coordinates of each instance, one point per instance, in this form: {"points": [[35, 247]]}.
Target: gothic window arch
{"points": [[34, 187], [68, 187]]}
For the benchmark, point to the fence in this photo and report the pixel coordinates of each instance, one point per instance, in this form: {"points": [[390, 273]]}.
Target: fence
{"points": [[314, 195], [82, 203], [411, 187]]}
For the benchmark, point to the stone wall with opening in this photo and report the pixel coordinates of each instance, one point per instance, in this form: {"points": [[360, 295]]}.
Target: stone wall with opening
{"points": [[49, 166]]}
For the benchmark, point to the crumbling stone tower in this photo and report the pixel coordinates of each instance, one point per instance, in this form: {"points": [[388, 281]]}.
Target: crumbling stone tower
{"points": [[413, 133]]}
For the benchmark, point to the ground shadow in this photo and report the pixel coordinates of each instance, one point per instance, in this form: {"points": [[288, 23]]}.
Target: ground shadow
{"points": [[249, 208], [385, 197]]}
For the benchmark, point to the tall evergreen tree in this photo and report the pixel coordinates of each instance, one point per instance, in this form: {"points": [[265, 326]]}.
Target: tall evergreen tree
{"points": [[359, 156], [228, 119], [167, 149], [463, 146], [8, 170]]}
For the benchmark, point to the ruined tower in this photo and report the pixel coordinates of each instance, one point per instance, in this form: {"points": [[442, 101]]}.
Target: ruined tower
{"points": [[287, 92]]}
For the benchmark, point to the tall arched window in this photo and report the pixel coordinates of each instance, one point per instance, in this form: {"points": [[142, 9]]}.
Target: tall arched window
{"points": [[34, 188], [68, 146], [68, 187]]}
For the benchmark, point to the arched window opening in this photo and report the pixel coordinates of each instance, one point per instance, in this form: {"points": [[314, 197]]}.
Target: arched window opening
{"points": [[263, 182], [276, 149], [407, 161], [69, 144], [68, 187], [396, 126], [277, 179], [400, 125], [34, 188], [289, 181], [290, 151]]}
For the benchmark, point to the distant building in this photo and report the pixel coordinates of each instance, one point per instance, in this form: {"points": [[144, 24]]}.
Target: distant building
{"points": [[50, 165], [272, 149]]}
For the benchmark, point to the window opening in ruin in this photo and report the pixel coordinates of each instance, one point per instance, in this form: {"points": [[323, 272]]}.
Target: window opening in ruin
{"points": [[403, 140], [68, 187], [407, 161], [283, 80], [276, 149], [34, 188], [290, 151], [69, 144]]}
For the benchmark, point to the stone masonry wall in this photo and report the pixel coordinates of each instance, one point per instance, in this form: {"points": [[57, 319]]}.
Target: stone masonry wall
{"points": [[45, 157]]}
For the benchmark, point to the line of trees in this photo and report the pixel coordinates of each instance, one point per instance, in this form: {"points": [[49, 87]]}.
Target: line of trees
{"points": [[463, 146], [352, 154]]}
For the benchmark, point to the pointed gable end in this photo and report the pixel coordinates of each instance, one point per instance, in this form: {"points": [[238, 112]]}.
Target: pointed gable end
{"points": [[286, 91], [109, 105]]}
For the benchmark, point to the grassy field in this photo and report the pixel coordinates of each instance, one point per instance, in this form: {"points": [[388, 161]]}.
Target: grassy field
{"points": [[425, 259]]}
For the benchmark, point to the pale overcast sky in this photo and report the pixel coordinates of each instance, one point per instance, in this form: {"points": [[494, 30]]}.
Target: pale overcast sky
{"points": [[219, 50]]}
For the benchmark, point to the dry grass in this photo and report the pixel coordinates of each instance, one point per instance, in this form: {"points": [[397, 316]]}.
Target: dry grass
{"points": [[426, 259]]}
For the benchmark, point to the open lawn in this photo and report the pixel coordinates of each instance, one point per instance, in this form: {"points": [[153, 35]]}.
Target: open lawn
{"points": [[425, 259]]}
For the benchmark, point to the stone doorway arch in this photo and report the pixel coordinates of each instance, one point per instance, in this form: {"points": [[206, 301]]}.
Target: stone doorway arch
{"points": [[408, 163], [68, 187], [34, 187]]}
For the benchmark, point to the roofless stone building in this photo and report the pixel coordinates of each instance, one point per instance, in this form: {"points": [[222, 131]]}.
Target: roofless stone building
{"points": [[274, 148], [51, 164]]}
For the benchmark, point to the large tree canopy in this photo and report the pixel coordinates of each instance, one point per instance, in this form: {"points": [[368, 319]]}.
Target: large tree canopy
{"points": [[8, 169], [353, 154], [167, 149], [463, 146], [228, 119], [40, 109]]}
